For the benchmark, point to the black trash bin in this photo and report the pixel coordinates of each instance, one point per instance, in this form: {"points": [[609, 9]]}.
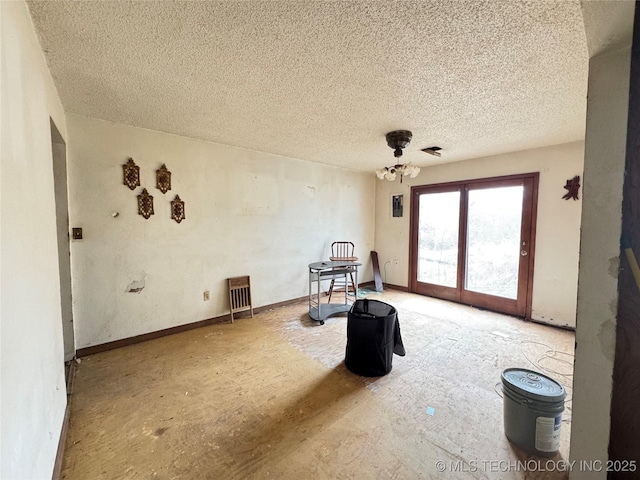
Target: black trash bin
{"points": [[373, 336]]}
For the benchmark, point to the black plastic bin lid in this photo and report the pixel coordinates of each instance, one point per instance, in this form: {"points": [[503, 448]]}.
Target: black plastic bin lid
{"points": [[374, 308]]}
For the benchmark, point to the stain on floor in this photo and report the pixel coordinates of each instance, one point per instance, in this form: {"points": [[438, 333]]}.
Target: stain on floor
{"points": [[270, 397]]}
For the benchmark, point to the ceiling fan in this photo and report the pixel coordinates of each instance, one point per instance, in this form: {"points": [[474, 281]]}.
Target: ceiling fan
{"points": [[397, 140]]}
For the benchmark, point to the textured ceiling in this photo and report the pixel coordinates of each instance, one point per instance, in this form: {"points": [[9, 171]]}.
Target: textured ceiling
{"points": [[324, 81]]}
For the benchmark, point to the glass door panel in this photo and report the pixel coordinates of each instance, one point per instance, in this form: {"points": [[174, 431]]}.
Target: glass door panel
{"points": [[438, 238], [473, 242], [494, 221]]}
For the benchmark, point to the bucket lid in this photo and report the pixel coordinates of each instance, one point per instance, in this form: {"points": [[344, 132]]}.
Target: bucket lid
{"points": [[533, 385]]}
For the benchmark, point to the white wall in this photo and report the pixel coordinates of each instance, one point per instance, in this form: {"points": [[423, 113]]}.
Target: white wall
{"points": [[62, 222], [32, 371], [558, 222], [247, 213], [605, 143]]}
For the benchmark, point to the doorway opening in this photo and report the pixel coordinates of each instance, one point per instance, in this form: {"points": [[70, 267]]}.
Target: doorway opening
{"points": [[59, 154], [473, 242]]}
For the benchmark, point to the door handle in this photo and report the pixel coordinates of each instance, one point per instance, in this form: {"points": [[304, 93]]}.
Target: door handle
{"points": [[524, 253]]}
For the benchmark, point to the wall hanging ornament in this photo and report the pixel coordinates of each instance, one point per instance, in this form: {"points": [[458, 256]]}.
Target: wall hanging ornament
{"points": [[131, 174], [572, 187], [177, 209], [163, 179], [145, 204]]}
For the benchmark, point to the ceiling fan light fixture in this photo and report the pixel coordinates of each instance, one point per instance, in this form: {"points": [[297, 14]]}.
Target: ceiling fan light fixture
{"points": [[390, 173], [397, 140], [411, 170]]}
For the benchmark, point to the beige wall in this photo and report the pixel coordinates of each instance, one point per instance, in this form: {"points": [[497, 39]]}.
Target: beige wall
{"points": [[31, 355], [247, 213], [606, 135], [558, 222]]}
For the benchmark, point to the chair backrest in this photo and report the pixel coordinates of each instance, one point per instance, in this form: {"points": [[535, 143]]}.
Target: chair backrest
{"points": [[342, 251]]}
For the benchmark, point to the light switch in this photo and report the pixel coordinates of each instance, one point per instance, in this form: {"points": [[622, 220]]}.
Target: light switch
{"points": [[76, 233]]}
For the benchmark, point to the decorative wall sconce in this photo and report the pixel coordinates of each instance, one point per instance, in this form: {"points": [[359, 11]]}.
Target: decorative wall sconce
{"points": [[572, 186], [131, 174], [145, 204], [398, 139], [177, 209], [163, 179]]}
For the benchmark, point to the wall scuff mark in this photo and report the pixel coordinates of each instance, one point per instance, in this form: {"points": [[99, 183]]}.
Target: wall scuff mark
{"points": [[614, 267], [137, 286], [607, 338], [311, 191]]}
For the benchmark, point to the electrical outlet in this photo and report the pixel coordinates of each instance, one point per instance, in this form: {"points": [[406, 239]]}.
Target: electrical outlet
{"points": [[207, 295], [396, 261]]}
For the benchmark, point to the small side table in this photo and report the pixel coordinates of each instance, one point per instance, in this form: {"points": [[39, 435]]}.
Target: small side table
{"points": [[330, 270]]}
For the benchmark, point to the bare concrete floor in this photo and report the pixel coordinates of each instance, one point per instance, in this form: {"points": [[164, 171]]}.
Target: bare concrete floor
{"points": [[270, 397]]}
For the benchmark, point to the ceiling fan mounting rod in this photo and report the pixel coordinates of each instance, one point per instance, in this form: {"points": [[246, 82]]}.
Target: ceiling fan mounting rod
{"points": [[398, 139]]}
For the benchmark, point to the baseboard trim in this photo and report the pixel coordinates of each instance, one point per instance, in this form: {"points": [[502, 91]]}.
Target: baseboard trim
{"points": [[124, 342], [62, 442], [561, 327], [57, 466], [395, 287], [280, 304]]}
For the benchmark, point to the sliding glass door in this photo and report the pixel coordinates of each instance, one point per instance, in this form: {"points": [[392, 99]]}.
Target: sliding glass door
{"points": [[471, 242], [437, 247]]}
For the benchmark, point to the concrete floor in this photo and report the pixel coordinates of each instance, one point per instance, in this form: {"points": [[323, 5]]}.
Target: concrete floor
{"points": [[270, 397]]}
